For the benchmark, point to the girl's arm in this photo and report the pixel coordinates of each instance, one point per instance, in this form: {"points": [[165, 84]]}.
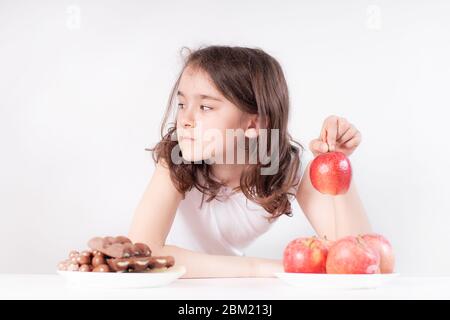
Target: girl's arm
{"points": [[334, 216], [151, 224], [201, 265]]}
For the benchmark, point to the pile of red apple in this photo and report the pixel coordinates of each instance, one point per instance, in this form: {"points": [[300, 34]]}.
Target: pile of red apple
{"points": [[363, 254]]}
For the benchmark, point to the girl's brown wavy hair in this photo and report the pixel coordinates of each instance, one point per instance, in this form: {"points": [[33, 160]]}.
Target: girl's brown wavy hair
{"points": [[253, 81]]}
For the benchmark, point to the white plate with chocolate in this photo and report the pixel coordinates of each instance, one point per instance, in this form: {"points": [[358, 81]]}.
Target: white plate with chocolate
{"points": [[117, 280], [116, 262]]}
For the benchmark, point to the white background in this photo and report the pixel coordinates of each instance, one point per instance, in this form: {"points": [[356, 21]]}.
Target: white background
{"points": [[82, 95]]}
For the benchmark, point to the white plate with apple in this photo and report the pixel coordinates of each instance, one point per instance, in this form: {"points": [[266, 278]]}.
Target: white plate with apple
{"points": [[336, 281], [122, 280], [352, 262]]}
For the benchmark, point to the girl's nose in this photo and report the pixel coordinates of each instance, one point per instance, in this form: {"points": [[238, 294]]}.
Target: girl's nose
{"points": [[188, 120], [188, 123]]}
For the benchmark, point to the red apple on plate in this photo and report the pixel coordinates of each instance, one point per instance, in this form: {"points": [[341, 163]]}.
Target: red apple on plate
{"points": [[331, 173], [352, 255], [384, 249], [305, 255], [328, 243]]}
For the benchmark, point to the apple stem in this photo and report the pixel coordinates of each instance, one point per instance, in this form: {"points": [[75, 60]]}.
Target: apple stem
{"points": [[358, 238]]}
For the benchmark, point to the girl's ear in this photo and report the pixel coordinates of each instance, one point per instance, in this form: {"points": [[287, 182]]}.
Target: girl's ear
{"points": [[252, 130], [251, 133]]}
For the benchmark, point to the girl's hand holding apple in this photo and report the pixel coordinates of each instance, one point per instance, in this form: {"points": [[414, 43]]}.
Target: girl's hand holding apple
{"points": [[337, 134], [331, 170]]}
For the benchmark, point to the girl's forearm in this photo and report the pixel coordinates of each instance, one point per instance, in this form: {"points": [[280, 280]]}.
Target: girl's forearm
{"points": [[350, 215], [201, 265]]}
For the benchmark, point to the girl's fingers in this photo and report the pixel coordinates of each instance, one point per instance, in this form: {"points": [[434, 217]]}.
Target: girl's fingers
{"points": [[336, 134], [354, 141], [323, 132], [331, 132], [318, 146], [343, 127], [349, 134]]}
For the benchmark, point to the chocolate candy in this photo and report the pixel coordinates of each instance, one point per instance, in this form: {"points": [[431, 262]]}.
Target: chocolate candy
{"points": [[98, 259], [162, 262], [63, 265], [139, 264], [84, 257], [129, 264], [73, 256], [119, 247], [142, 250], [115, 254], [72, 267], [73, 253], [85, 268], [68, 265], [101, 268]]}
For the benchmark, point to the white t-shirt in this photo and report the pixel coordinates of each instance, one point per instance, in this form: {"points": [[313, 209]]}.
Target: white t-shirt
{"points": [[223, 227]]}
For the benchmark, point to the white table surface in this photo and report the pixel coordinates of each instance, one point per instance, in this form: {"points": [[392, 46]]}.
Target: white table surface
{"points": [[28, 286]]}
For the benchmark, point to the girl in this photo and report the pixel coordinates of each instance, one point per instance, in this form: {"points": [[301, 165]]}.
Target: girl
{"points": [[225, 205]]}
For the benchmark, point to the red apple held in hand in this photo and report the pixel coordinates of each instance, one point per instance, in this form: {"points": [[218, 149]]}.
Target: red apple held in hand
{"points": [[331, 173], [384, 248], [305, 255], [352, 255]]}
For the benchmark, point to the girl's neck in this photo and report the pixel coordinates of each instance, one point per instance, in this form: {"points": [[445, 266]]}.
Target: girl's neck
{"points": [[229, 174]]}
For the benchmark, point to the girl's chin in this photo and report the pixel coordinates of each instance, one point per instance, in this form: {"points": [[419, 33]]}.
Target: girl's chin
{"points": [[190, 155], [193, 157]]}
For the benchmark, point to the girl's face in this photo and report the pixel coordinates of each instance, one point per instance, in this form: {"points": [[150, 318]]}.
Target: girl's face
{"points": [[203, 117]]}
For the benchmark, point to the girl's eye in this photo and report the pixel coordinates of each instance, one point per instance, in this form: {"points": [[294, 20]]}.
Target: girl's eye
{"points": [[205, 108]]}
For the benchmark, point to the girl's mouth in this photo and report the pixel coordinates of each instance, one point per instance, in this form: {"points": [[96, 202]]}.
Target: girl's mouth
{"points": [[187, 138]]}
